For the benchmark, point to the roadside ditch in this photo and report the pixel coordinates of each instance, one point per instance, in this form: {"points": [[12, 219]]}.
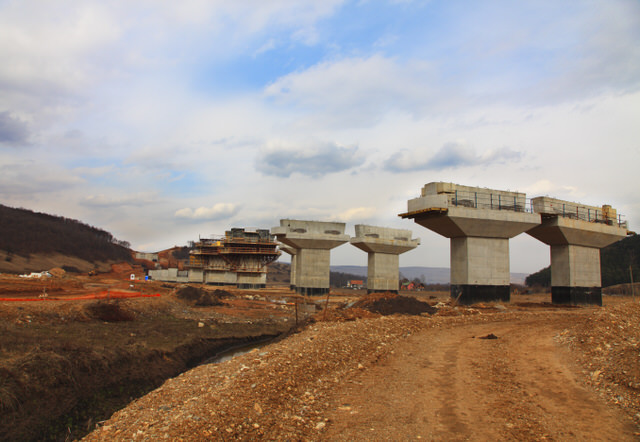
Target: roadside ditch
{"points": [[59, 378]]}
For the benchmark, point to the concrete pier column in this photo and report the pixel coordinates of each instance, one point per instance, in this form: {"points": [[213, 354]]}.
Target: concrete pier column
{"points": [[314, 241], [479, 223], [575, 234], [251, 280], [383, 245], [292, 275]]}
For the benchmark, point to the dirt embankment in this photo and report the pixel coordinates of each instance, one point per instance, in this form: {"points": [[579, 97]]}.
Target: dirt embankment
{"points": [[64, 365], [399, 378]]}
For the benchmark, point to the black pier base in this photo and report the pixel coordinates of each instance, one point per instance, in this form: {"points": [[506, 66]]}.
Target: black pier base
{"points": [[251, 286], [312, 291], [576, 295], [468, 294]]}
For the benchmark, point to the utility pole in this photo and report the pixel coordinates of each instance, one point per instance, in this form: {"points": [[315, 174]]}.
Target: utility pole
{"points": [[633, 291]]}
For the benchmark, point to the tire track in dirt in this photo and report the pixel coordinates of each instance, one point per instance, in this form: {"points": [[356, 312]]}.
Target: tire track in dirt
{"points": [[447, 384]]}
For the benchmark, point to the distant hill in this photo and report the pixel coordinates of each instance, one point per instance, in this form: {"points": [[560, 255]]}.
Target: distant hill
{"points": [[431, 275], [615, 260], [28, 237]]}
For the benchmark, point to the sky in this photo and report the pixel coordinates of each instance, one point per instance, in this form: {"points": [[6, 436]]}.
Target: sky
{"points": [[163, 122]]}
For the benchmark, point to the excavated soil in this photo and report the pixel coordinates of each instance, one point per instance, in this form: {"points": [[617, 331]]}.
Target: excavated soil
{"points": [[357, 373], [67, 362], [405, 377]]}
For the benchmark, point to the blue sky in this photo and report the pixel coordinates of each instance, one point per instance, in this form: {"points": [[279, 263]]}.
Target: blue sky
{"points": [[165, 121]]}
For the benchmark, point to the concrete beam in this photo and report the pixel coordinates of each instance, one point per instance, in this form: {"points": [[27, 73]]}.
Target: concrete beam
{"points": [[383, 245]]}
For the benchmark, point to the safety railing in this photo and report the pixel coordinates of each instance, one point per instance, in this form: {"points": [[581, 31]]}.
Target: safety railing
{"points": [[492, 201], [589, 214]]}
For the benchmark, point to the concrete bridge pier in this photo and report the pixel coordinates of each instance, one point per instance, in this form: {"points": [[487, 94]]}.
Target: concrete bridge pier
{"points": [[292, 275], [575, 234], [479, 223], [313, 241], [383, 245]]}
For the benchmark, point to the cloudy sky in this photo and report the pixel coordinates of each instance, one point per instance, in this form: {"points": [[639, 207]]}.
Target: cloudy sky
{"points": [[163, 121]]}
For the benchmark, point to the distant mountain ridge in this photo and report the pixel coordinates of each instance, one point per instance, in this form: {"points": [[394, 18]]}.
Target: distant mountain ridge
{"points": [[431, 275]]}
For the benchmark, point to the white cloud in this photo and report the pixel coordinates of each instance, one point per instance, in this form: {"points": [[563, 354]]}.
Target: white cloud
{"points": [[12, 130], [314, 159], [356, 214], [104, 201], [449, 156], [359, 91], [547, 188], [216, 212], [28, 178]]}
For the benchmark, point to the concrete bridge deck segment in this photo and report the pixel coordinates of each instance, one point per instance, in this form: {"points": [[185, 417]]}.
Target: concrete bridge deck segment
{"points": [[383, 246], [313, 241]]}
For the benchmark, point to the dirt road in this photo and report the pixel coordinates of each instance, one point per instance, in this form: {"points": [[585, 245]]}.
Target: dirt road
{"points": [[394, 378], [449, 384]]}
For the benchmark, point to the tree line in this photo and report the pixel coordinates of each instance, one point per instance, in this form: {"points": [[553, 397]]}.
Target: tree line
{"points": [[25, 232]]}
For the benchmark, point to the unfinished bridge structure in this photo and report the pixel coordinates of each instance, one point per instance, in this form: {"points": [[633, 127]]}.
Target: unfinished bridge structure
{"points": [[310, 244], [480, 222], [383, 246], [239, 257]]}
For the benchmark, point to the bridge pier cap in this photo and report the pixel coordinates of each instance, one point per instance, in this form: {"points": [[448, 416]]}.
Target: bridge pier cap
{"points": [[479, 223], [575, 233], [383, 246], [313, 241]]}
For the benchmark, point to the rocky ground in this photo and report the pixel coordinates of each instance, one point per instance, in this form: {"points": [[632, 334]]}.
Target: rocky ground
{"points": [[525, 371]]}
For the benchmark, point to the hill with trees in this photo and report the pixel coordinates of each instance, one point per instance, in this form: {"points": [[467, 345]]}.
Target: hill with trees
{"points": [[27, 234], [615, 260]]}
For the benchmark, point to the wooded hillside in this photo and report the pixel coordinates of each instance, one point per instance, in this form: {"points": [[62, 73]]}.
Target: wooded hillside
{"points": [[23, 233]]}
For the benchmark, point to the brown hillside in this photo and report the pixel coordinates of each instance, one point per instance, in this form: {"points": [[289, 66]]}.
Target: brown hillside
{"points": [[33, 241]]}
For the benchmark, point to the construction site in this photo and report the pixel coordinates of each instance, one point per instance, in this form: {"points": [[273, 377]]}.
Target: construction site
{"points": [[239, 258], [122, 354]]}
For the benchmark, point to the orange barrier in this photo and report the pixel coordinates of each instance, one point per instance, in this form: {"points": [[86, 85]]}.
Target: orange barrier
{"points": [[107, 294]]}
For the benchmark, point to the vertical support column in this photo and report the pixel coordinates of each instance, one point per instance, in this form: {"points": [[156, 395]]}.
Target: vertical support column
{"points": [[292, 274], [575, 275], [313, 241], [480, 269], [383, 245], [314, 280], [383, 273]]}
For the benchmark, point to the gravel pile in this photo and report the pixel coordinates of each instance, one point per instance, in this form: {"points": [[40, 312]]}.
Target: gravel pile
{"points": [[277, 392], [607, 344]]}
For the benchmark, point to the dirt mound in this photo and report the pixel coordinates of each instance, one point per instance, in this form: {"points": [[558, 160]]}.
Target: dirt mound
{"points": [[208, 299], [109, 312], [202, 298], [390, 303], [188, 293], [57, 272], [341, 315]]}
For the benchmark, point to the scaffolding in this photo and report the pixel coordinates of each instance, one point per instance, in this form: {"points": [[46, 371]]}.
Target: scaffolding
{"points": [[238, 251]]}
